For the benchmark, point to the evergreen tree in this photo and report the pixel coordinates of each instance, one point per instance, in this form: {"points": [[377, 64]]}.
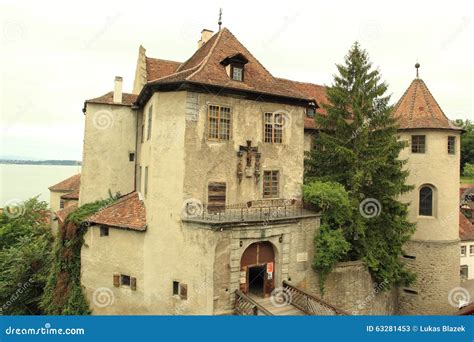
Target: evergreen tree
{"points": [[25, 246], [358, 148]]}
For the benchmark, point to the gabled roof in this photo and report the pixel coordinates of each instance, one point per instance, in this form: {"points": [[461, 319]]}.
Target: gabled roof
{"points": [[70, 184], [63, 213], [466, 228], [157, 68], [71, 196], [127, 212], [417, 108], [127, 99], [205, 67]]}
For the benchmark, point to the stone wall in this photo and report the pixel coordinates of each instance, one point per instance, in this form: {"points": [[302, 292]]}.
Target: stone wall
{"points": [[350, 287], [437, 269]]}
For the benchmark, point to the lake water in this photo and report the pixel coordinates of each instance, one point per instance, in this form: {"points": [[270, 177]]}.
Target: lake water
{"points": [[26, 181]]}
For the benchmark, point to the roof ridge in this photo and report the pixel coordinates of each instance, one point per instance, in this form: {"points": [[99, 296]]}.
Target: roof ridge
{"points": [[434, 99], [301, 82], [174, 74], [206, 58]]}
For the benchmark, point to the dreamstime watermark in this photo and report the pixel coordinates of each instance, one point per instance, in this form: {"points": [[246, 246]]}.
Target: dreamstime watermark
{"points": [[192, 208], [21, 288], [370, 31], [367, 300], [103, 297], [459, 297], [465, 21], [12, 32], [281, 297], [46, 330], [287, 21], [109, 21], [103, 119], [370, 208], [14, 208]]}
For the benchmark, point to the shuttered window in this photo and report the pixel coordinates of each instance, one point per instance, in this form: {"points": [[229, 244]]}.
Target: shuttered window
{"points": [[216, 197]]}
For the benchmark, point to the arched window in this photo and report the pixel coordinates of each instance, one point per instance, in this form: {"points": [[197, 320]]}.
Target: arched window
{"points": [[426, 201]]}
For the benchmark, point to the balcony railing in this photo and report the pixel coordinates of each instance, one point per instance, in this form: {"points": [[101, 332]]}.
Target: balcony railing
{"points": [[258, 210]]}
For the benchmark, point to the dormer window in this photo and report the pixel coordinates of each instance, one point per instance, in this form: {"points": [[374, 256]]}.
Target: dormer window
{"points": [[235, 66], [311, 110], [237, 73]]}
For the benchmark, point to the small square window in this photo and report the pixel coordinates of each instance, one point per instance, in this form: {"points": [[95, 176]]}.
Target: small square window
{"points": [[124, 280], [451, 145], [104, 231], [237, 73], [418, 144], [176, 288], [463, 250], [131, 156]]}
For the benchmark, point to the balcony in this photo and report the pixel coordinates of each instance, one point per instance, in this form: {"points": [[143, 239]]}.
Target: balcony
{"points": [[251, 212]]}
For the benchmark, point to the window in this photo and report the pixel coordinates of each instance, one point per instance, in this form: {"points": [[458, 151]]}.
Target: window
{"points": [[451, 145], [150, 117], [104, 231], [145, 190], [61, 204], [464, 272], [426, 201], [219, 122], [180, 290], [124, 280], [216, 197], [471, 249], [131, 156], [270, 184], [418, 144], [139, 180], [143, 131], [237, 72], [463, 250], [273, 128], [175, 288]]}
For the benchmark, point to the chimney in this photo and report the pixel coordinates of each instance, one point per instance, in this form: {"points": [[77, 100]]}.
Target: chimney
{"points": [[205, 36], [118, 89]]}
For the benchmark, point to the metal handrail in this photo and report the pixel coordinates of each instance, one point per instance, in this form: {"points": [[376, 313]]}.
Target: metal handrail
{"points": [[310, 304], [244, 305]]}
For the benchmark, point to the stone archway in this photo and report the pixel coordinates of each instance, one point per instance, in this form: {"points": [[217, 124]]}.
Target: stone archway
{"points": [[257, 269]]}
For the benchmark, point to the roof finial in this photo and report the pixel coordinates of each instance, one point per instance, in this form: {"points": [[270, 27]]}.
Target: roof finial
{"points": [[417, 66], [220, 18]]}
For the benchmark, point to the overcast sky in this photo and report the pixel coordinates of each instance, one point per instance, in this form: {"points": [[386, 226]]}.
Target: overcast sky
{"points": [[54, 55]]}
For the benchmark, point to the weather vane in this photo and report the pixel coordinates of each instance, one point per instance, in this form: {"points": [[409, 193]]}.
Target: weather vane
{"points": [[220, 18]]}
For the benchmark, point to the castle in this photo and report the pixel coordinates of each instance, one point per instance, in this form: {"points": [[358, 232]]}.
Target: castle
{"points": [[208, 157]]}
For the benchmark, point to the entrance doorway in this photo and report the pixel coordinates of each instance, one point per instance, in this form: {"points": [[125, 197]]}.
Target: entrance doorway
{"points": [[257, 269], [256, 279]]}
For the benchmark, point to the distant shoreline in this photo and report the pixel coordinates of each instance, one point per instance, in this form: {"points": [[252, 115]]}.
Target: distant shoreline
{"points": [[42, 162]]}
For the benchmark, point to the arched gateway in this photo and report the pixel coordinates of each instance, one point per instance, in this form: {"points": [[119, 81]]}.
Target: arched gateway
{"points": [[257, 269]]}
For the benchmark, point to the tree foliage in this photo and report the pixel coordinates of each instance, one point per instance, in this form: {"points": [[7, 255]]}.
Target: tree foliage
{"points": [[330, 244], [358, 148], [467, 144], [25, 247], [63, 293]]}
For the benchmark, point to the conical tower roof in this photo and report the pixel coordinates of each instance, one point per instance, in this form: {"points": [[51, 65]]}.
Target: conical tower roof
{"points": [[417, 108]]}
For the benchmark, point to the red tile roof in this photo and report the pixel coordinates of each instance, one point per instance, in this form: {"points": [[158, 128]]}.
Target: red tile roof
{"points": [[70, 184], [71, 196], [417, 108], [127, 99], [205, 67], [466, 228], [157, 68], [63, 213], [128, 212]]}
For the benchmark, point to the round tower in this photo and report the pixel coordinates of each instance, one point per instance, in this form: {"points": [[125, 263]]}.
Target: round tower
{"points": [[433, 155]]}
